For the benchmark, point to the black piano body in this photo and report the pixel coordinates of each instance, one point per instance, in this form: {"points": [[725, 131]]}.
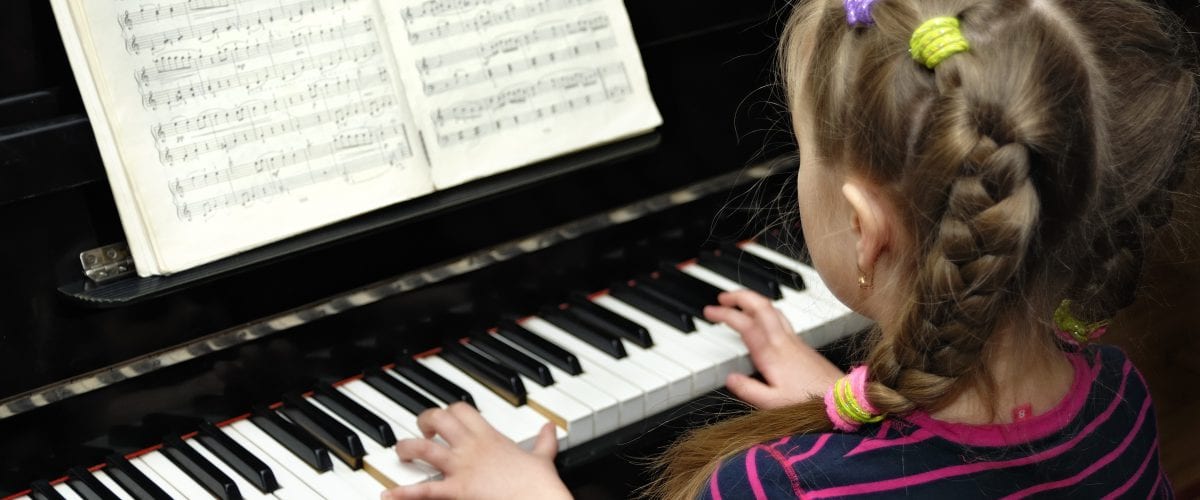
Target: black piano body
{"points": [[83, 375]]}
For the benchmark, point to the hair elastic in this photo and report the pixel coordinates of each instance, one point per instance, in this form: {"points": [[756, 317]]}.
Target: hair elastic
{"points": [[858, 12], [1074, 330], [846, 401], [935, 40]]}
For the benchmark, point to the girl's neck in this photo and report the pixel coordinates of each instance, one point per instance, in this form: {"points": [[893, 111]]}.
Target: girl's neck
{"points": [[1030, 379]]}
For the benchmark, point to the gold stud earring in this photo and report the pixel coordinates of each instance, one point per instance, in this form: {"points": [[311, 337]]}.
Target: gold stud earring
{"points": [[864, 282]]}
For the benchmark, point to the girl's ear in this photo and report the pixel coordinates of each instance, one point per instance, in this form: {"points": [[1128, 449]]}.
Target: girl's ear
{"points": [[870, 221]]}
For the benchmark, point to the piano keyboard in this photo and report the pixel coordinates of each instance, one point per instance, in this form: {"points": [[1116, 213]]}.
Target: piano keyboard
{"points": [[591, 366]]}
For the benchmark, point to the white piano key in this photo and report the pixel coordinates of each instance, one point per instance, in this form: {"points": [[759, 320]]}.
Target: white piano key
{"points": [[67, 492], [519, 423], [849, 321], [158, 480], [382, 462], [576, 418], [249, 491], [112, 485], [654, 386], [178, 478], [365, 395], [290, 486], [709, 362], [807, 325], [327, 484], [604, 408], [679, 379]]}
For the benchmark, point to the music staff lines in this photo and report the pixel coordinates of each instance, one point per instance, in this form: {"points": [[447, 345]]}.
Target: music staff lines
{"points": [[212, 119], [151, 99], [435, 8], [463, 79], [272, 165], [159, 13], [176, 66], [475, 110], [257, 132], [135, 43], [487, 50], [490, 19]]}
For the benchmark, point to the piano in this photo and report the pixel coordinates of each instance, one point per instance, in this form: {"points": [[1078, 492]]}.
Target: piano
{"points": [[567, 291]]}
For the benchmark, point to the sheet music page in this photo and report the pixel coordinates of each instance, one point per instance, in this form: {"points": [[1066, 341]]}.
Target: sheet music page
{"points": [[497, 84], [241, 122]]}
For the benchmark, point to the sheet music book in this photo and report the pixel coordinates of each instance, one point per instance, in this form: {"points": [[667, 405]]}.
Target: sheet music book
{"points": [[228, 124]]}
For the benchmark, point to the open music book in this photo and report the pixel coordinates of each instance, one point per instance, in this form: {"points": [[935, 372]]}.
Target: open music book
{"points": [[228, 124]]}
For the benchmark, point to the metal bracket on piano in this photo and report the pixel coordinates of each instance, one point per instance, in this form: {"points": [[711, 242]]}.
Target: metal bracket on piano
{"points": [[107, 263]]}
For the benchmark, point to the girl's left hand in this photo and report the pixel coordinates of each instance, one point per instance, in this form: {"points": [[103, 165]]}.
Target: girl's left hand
{"points": [[793, 370], [477, 461]]}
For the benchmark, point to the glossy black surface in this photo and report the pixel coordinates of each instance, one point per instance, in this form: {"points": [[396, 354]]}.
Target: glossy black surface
{"points": [[533, 369], [240, 459], [55, 203], [199, 468]]}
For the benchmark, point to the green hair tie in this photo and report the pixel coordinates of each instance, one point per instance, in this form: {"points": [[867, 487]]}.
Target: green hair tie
{"points": [[1075, 330], [935, 40]]}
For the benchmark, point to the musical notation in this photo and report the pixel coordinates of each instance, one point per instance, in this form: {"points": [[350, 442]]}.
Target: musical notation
{"points": [[486, 51], [439, 8], [490, 72], [135, 43], [157, 13], [489, 19]]}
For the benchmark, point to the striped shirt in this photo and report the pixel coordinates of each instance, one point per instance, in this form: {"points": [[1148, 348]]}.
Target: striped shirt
{"points": [[1099, 442]]}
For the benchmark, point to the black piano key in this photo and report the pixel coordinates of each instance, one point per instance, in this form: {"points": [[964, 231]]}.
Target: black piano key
{"points": [[748, 275], [604, 319], [239, 458], [398, 391], [83, 482], [672, 296], [431, 382], [785, 277], [361, 418], [197, 467], [502, 380], [517, 360], [694, 286], [132, 480], [606, 342], [649, 304], [342, 441], [300, 443], [540, 347], [41, 490]]}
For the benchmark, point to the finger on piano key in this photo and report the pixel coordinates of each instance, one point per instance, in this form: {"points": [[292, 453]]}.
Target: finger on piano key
{"points": [[809, 326], [553, 354], [360, 418], [404, 423], [250, 467], [324, 482], [88, 486], [653, 307], [301, 444], [379, 461], [132, 480], [431, 382], [748, 276], [336, 436], [42, 490], [519, 423], [599, 317], [656, 387], [289, 487], [850, 321], [720, 334], [178, 478], [569, 414], [532, 369], [112, 485], [397, 391], [605, 409], [602, 341], [167, 488], [204, 470], [709, 362], [501, 380]]}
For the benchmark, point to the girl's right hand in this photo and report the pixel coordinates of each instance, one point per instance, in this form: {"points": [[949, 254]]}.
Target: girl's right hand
{"points": [[793, 371]]}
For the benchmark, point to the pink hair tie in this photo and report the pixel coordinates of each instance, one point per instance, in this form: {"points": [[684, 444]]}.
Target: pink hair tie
{"points": [[846, 401], [858, 12]]}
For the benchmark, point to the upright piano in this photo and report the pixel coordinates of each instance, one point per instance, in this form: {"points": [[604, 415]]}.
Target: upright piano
{"points": [[566, 291]]}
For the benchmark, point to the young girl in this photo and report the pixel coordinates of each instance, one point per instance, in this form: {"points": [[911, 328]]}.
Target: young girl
{"points": [[980, 177]]}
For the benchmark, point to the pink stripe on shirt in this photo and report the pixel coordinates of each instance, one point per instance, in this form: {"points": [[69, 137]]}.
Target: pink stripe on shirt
{"points": [[752, 473], [959, 470], [878, 444], [1136, 475]]}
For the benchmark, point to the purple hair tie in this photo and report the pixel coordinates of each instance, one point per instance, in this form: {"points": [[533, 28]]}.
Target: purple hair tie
{"points": [[858, 12]]}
